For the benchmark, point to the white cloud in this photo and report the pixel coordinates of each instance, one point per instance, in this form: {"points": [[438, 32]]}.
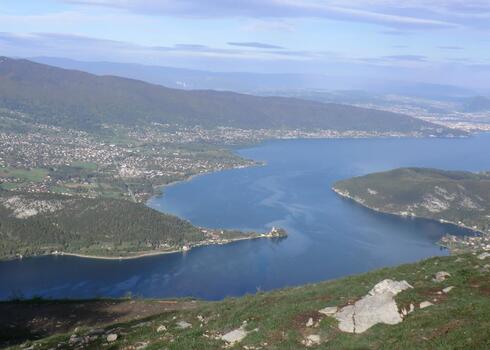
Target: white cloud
{"points": [[383, 12], [39, 44]]}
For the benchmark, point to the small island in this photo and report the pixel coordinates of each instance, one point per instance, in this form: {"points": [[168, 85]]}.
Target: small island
{"points": [[454, 197], [33, 224]]}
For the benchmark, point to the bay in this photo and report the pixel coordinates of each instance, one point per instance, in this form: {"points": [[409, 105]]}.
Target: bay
{"points": [[329, 237]]}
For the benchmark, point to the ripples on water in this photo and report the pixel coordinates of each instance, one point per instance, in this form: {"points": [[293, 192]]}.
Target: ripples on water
{"points": [[329, 237]]}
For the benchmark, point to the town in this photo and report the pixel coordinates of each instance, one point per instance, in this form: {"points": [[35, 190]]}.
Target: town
{"points": [[127, 163]]}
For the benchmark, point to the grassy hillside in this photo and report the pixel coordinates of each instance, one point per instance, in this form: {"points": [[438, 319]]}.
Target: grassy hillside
{"points": [[458, 197], [458, 319], [33, 224], [79, 100]]}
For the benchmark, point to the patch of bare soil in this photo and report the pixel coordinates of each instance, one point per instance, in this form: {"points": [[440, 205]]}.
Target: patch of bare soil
{"points": [[21, 321]]}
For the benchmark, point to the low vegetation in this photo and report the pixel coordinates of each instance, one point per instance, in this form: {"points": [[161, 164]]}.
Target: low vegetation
{"points": [[456, 318]]}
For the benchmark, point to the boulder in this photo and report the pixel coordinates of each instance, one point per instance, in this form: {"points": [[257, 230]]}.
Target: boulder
{"points": [[311, 340], [389, 286], [425, 304], [310, 322], [161, 328], [378, 306], [235, 336], [112, 337]]}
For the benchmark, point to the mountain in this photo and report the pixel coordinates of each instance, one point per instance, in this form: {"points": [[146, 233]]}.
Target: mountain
{"points": [[477, 104], [81, 100], [192, 79], [424, 90], [459, 197], [261, 83]]}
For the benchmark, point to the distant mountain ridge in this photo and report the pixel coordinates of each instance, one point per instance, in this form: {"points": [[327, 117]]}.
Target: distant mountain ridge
{"points": [[477, 104], [258, 83], [85, 101]]}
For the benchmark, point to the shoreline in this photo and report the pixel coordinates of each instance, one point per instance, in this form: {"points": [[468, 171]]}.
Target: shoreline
{"points": [[149, 253], [441, 221], [158, 190]]}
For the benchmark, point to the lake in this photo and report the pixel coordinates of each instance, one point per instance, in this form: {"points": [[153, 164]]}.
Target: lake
{"points": [[329, 237]]}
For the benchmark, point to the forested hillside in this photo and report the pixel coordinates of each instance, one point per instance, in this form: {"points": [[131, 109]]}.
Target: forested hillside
{"points": [[459, 197], [34, 224], [79, 100]]}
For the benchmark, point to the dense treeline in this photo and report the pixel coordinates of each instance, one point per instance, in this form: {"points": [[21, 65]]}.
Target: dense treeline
{"points": [[82, 225], [457, 196]]}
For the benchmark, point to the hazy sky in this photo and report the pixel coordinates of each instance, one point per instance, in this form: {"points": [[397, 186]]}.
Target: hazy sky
{"points": [[445, 41]]}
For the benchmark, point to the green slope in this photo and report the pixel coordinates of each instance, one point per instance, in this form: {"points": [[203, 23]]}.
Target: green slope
{"points": [[459, 319], [455, 196], [80, 100], [34, 224]]}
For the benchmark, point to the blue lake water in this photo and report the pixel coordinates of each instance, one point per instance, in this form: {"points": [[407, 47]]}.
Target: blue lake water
{"points": [[329, 237]]}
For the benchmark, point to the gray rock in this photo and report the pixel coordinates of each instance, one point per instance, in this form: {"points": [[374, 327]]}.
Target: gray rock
{"points": [[310, 322], [74, 339], [441, 276], [235, 336], [329, 311], [389, 286], [161, 328], [483, 256], [183, 325], [447, 289], [425, 304], [111, 337], [311, 340], [376, 307]]}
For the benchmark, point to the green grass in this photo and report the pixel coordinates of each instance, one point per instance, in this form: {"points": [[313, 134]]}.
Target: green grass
{"points": [[85, 165], [61, 189], [458, 320], [9, 186], [32, 175]]}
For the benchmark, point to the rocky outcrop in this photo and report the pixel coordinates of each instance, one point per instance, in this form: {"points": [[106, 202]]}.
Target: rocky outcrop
{"points": [[23, 208], [378, 306]]}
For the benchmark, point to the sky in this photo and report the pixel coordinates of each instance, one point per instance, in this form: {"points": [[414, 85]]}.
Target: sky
{"points": [[437, 41]]}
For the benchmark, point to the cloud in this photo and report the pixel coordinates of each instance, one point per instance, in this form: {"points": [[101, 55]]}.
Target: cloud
{"points": [[256, 45], [396, 60], [406, 58], [450, 47], [39, 44], [269, 25], [395, 32], [382, 12]]}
